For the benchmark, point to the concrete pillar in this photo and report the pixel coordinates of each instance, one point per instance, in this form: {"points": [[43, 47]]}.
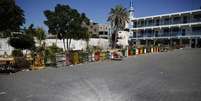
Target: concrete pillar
{"points": [[190, 42], [147, 42], [191, 18], [154, 42], [196, 42], [161, 20], [171, 42], [170, 32], [182, 19], [180, 42], [171, 19], [137, 42]]}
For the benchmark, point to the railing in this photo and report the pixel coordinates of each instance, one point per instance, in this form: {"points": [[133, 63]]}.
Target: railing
{"points": [[160, 34], [167, 37], [167, 23], [195, 20], [196, 33]]}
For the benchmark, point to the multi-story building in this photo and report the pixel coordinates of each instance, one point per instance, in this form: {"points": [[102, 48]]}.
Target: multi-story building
{"points": [[181, 28], [104, 30], [93, 28]]}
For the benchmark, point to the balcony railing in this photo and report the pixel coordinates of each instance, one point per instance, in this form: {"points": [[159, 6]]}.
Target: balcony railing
{"points": [[172, 34], [196, 33], [166, 23]]}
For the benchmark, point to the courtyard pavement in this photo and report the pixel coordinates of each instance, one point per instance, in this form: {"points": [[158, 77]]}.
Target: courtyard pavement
{"points": [[168, 76]]}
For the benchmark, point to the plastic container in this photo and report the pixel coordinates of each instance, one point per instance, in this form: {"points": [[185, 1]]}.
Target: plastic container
{"points": [[141, 50], [97, 56], [129, 52], [132, 51], [145, 50], [137, 51], [75, 58], [152, 50]]}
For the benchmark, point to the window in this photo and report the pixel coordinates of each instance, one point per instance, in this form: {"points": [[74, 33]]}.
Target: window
{"points": [[157, 22], [101, 33]]}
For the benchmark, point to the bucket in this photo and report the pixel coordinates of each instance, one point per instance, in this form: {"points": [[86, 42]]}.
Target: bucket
{"points": [[97, 56], [133, 51], [145, 50], [93, 56], [75, 58], [129, 52], [137, 51], [152, 50], [141, 50]]}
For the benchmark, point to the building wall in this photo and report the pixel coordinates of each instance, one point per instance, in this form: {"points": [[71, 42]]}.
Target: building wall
{"points": [[175, 24], [168, 19], [93, 28], [104, 30], [172, 27], [122, 39]]}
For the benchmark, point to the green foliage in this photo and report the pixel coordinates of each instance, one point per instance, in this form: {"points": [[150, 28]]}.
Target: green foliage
{"points": [[22, 42], [17, 53], [66, 23], [4, 34], [40, 34], [50, 53], [118, 18], [55, 49], [11, 16], [30, 30]]}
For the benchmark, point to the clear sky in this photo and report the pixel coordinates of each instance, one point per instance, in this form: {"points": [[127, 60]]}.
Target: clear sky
{"points": [[97, 10]]}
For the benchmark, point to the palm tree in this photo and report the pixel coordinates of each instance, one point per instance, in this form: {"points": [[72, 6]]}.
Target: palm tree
{"points": [[118, 17], [40, 34]]}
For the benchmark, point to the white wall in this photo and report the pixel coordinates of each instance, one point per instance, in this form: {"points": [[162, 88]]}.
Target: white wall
{"points": [[80, 44], [124, 38], [4, 46]]}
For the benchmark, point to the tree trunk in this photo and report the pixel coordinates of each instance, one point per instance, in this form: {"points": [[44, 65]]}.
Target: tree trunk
{"points": [[67, 44], [64, 44], [70, 43], [56, 38], [114, 39], [87, 41]]}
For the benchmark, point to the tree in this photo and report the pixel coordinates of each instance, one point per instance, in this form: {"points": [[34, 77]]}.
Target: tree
{"points": [[31, 31], [22, 42], [11, 16], [66, 23], [40, 34], [118, 17]]}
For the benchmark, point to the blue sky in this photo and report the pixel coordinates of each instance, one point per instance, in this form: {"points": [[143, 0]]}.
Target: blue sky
{"points": [[97, 10]]}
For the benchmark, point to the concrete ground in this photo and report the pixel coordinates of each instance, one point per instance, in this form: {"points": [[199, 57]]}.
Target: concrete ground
{"points": [[170, 76]]}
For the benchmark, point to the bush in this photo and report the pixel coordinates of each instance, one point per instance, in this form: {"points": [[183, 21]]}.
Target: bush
{"points": [[50, 57], [22, 42], [17, 53], [21, 63], [50, 54]]}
